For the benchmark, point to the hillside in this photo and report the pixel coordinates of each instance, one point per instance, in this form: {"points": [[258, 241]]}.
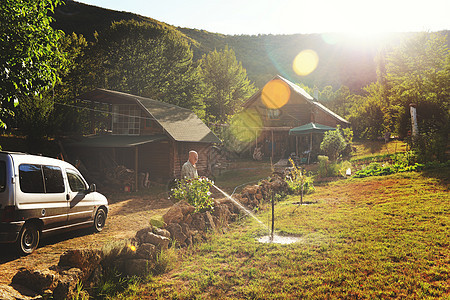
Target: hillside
{"points": [[346, 61]]}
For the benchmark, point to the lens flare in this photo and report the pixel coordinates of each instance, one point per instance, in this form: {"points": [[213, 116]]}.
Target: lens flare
{"points": [[305, 62], [246, 125], [331, 38], [275, 94]]}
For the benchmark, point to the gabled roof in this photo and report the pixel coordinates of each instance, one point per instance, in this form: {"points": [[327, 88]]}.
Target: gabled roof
{"points": [[117, 141], [182, 124], [298, 90]]}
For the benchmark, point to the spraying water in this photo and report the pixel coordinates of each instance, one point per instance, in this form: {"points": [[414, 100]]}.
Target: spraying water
{"points": [[240, 206], [273, 238]]}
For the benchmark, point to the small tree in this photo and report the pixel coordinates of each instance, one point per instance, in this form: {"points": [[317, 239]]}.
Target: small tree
{"points": [[333, 144]]}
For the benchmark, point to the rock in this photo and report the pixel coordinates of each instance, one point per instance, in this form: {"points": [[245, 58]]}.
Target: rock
{"points": [[177, 234], [135, 267], [173, 215], [96, 277], [187, 219], [157, 223], [186, 208], [67, 284], [198, 222], [17, 292], [85, 260], [160, 241], [38, 280], [140, 235], [185, 229], [146, 251], [210, 220], [162, 232]]}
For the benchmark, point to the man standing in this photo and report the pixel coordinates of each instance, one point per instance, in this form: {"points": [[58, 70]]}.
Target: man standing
{"points": [[189, 170]]}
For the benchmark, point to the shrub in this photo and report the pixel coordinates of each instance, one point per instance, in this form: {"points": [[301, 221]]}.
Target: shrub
{"points": [[333, 144], [431, 146], [327, 168], [195, 191]]}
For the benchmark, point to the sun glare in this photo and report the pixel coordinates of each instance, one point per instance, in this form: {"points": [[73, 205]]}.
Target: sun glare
{"points": [[305, 62], [246, 126], [275, 94]]}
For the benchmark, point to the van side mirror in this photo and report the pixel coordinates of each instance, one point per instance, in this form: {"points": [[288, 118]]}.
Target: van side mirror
{"points": [[92, 188]]}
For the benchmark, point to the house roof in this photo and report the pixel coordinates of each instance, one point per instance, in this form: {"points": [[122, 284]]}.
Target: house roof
{"points": [[117, 141], [298, 90], [181, 124]]}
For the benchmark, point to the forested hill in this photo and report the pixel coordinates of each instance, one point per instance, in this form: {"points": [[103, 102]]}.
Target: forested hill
{"points": [[342, 61]]}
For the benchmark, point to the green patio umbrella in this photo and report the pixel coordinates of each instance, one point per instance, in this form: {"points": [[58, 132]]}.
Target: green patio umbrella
{"points": [[310, 128]]}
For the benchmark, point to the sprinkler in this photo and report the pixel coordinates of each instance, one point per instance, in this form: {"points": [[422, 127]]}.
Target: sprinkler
{"points": [[273, 216]]}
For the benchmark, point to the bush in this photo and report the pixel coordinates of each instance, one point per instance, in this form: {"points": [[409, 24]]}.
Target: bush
{"points": [[327, 168], [431, 146], [334, 143], [195, 191]]}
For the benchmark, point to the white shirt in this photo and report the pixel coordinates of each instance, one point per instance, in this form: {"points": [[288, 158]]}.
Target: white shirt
{"points": [[189, 171]]}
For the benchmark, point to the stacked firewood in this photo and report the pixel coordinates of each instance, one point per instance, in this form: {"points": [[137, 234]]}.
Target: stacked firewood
{"points": [[119, 176]]}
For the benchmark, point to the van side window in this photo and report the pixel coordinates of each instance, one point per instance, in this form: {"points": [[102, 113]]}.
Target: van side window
{"points": [[31, 179], [2, 176], [75, 182], [54, 182]]}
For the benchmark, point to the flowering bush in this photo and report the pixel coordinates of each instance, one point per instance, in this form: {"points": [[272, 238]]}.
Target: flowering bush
{"points": [[195, 191]]}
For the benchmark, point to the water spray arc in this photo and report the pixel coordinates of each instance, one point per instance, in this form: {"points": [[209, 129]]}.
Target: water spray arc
{"points": [[272, 237]]}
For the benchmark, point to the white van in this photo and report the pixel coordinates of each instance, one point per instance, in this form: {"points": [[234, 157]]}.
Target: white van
{"points": [[41, 195]]}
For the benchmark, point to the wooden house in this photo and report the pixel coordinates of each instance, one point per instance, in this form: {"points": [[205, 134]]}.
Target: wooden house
{"points": [[281, 106], [146, 135]]}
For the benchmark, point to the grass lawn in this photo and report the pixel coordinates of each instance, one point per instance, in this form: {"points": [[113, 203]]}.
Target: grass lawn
{"points": [[369, 148], [371, 238]]}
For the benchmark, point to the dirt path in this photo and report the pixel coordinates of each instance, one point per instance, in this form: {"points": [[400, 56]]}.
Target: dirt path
{"points": [[124, 219]]}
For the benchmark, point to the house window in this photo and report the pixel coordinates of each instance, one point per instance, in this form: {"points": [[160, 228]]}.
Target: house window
{"points": [[273, 114], [126, 119]]}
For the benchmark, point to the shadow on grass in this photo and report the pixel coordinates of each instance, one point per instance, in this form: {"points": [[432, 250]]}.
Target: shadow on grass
{"points": [[440, 174]]}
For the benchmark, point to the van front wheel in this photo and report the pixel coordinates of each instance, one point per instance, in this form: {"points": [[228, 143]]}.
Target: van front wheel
{"points": [[28, 239], [99, 220]]}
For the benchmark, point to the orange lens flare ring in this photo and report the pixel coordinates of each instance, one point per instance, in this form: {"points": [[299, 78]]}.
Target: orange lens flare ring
{"points": [[275, 94]]}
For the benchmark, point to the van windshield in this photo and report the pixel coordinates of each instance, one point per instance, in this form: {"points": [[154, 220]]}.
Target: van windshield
{"points": [[2, 176]]}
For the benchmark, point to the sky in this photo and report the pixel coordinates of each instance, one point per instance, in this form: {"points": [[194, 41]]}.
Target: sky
{"points": [[253, 17]]}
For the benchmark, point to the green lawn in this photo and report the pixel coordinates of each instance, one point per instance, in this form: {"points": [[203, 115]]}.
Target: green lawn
{"points": [[371, 238]]}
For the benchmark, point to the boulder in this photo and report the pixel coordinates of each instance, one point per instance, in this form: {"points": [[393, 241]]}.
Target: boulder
{"points": [[173, 215], [160, 241], [176, 232], [162, 232], [16, 292], [186, 208], [67, 283], [36, 280], [187, 219], [210, 220], [134, 267], [85, 260], [140, 235], [146, 251], [198, 222]]}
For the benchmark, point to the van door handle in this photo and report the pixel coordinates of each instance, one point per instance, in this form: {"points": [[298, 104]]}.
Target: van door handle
{"points": [[67, 197]]}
